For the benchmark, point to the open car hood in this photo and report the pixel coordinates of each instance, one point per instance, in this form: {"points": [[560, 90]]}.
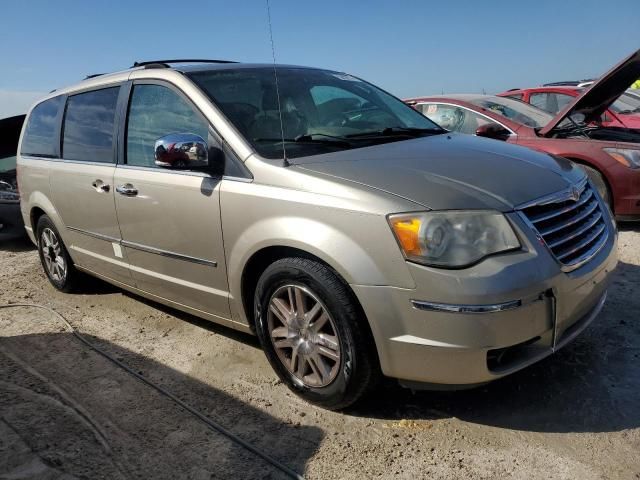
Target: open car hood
{"points": [[601, 94]]}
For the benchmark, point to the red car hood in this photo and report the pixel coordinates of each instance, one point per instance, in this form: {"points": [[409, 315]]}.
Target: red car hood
{"points": [[601, 94]]}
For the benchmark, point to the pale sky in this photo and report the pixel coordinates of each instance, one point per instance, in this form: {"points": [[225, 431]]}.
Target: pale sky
{"points": [[14, 102]]}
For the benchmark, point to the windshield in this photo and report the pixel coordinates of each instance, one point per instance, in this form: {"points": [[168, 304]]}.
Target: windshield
{"points": [[322, 111], [515, 110], [626, 104]]}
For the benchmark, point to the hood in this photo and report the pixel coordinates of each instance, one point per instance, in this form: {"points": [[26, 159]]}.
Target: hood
{"points": [[601, 94], [450, 171]]}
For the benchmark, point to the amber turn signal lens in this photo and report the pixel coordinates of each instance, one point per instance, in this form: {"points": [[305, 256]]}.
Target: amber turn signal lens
{"points": [[406, 231], [620, 158]]}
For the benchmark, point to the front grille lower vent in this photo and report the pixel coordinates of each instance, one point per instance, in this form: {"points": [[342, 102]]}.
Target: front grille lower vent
{"points": [[572, 224]]}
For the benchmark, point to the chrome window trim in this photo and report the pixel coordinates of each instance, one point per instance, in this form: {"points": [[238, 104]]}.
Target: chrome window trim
{"points": [[474, 309], [511, 132], [144, 248], [190, 173], [62, 160], [186, 172]]}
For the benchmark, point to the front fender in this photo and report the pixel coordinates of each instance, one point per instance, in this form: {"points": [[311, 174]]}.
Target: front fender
{"points": [[372, 262]]}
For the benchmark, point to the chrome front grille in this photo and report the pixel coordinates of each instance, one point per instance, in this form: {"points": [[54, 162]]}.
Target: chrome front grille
{"points": [[572, 224]]}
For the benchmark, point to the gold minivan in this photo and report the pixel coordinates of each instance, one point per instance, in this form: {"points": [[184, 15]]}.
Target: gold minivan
{"points": [[354, 236]]}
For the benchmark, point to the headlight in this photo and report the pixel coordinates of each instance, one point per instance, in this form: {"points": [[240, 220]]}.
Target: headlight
{"points": [[452, 239], [629, 157]]}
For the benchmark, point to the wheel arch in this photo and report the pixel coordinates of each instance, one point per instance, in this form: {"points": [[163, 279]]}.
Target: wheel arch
{"points": [[587, 163], [261, 259], [40, 205]]}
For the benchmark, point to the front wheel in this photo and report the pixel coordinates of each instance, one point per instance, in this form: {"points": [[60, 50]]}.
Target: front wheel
{"points": [[313, 333], [600, 183]]}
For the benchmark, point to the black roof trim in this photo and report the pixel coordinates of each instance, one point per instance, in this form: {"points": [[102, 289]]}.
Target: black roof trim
{"points": [[166, 63]]}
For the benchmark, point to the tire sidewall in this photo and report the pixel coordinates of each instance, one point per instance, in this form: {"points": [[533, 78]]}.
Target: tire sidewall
{"points": [[45, 222], [599, 181], [275, 277]]}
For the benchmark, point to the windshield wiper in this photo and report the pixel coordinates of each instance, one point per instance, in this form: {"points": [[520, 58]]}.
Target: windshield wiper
{"points": [[629, 111], [326, 139], [403, 131], [302, 139]]}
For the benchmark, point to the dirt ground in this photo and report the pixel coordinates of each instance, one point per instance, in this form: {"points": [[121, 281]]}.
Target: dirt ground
{"points": [[67, 412]]}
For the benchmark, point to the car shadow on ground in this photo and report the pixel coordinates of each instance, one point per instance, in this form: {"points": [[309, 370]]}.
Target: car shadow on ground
{"points": [[629, 226], [246, 338], [591, 385], [66, 409]]}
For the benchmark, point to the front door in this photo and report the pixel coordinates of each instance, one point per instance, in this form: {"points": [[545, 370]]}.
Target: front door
{"points": [[170, 218]]}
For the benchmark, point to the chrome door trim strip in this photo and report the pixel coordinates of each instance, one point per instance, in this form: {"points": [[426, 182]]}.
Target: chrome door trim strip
{"points": [[99, 236], [485, 308], [167, 253], [144, 271], [144, 248]]}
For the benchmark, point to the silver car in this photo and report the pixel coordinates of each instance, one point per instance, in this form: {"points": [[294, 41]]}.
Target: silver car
{"points": [[354, 236]]}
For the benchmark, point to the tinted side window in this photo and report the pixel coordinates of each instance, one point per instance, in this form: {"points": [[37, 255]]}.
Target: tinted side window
{"points": [[89, 125], [154, 112], [40, 137], [540, 100], [563, 100]]}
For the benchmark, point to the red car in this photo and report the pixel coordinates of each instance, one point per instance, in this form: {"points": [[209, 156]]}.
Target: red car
{"points": [[623, 113], [611, 156]]}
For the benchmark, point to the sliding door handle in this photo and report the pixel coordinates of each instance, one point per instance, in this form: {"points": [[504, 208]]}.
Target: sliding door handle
{"points": [[127, 190], [100, 186]]}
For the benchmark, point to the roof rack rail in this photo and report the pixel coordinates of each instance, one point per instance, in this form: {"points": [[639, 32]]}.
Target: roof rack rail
{"points": [[165, 63], [93, 75]]}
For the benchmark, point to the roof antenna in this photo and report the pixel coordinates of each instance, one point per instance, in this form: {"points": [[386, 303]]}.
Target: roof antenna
{"points": [[275, 74]]}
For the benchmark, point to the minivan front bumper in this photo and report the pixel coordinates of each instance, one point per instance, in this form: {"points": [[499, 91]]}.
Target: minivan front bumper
{"points": [[467, 327]]}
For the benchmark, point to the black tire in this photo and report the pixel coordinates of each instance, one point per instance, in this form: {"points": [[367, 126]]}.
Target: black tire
{"points": [[70, 280], [600, 183], [357, 370]]}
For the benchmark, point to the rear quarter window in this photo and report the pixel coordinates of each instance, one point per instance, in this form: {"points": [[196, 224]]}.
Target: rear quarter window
{"points": [[41, 133]]}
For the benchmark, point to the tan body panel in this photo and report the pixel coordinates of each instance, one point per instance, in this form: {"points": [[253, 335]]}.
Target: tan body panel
{"points": [[172, 236]]}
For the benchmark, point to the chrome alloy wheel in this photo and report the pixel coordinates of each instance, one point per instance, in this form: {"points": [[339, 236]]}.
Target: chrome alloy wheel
{"points": [[304, 335], [52, 255]]}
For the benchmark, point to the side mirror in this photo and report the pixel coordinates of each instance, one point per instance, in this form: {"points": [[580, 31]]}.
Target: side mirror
{"points": [[493, 130], [181, 151]]}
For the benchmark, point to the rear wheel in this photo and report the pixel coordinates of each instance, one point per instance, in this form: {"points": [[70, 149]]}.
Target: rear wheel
{"points": [[313, 334], [600, 183], [54, 257]]}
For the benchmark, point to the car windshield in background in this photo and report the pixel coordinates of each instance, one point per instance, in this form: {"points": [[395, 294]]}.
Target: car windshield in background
{"points": [[626, 104], [514, 110], [322, 111], [7, 164]]}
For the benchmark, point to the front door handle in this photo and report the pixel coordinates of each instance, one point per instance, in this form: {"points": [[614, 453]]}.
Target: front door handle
{"points": [[100, 186], [127, 190]]}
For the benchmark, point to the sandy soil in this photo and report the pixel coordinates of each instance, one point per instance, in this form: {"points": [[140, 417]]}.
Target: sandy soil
{"points": [[67, 412]]}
